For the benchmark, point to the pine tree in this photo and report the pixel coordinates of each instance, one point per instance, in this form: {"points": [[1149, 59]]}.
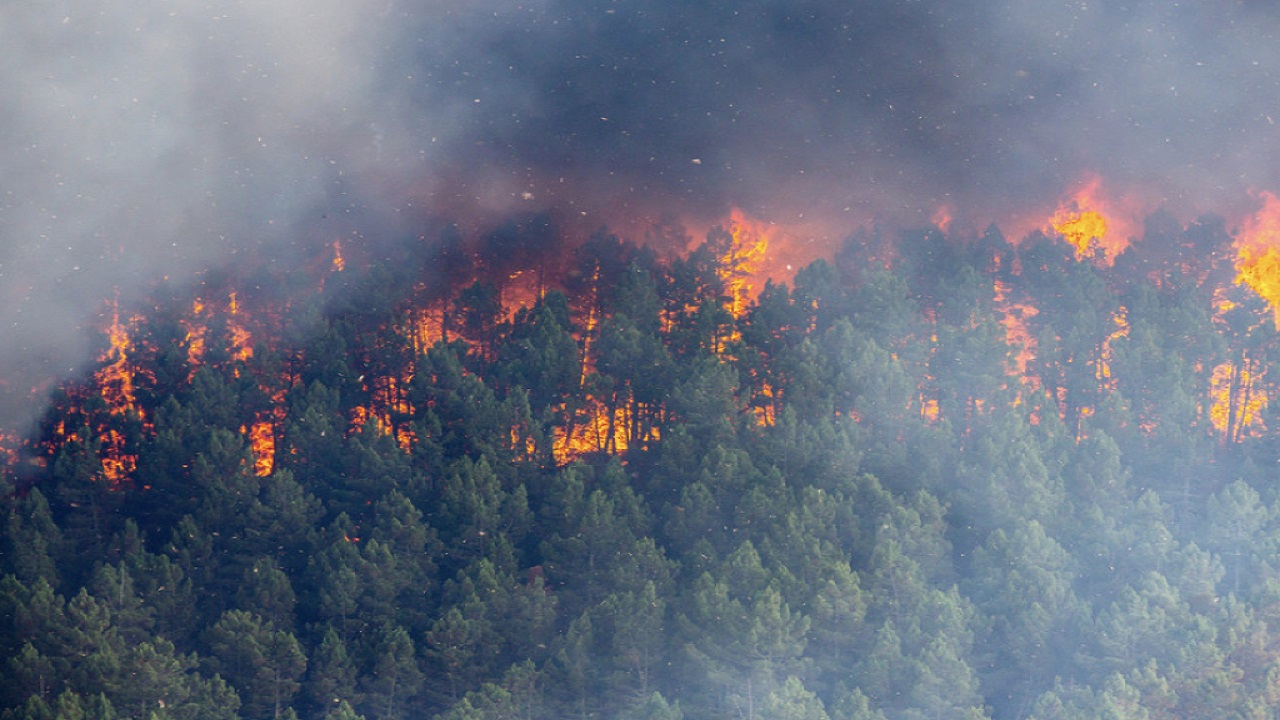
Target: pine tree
{"points": [[394, 677], [33, 543], [264, 664], [331, 676]]}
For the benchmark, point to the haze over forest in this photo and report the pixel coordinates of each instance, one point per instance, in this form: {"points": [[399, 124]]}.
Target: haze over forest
{"points": [[973, 480], [647, 361]]}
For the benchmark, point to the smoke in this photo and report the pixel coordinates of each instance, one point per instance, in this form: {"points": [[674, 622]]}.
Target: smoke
{"points": [[156, 140], [890, 109]]}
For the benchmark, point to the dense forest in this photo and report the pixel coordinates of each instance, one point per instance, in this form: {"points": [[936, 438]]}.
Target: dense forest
{"points": [[933, 477]]}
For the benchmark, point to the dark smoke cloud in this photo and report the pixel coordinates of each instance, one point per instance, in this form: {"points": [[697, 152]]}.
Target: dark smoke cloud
{"points": [[153, 139], [889, 108]]}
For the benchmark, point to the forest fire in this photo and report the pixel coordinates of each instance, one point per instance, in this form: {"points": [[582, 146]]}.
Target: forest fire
{"points": [[610, 425], [683, 354], [929, 410], [1238, 387], [1237, 404], [9, 446], [388, 402], [1080, 227], [1093, 222], [1014, 317], [522, 290], [116, 378], [196, 329], [640, 360], [117, 382], [599, 432], [1106, 352], [339, 263], [424, 328], [1258, 253], [742, 260], [241, 340], [765, 407], [262, 443]]}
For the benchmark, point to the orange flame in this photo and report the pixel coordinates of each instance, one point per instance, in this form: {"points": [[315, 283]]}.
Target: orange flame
{"points": [[196, 331], [1102, 370], [361, 415], [425, 327], [602, 432], [117, 464], [388, 399], [117, 378], [1258, 253], [339, 264], [764, 410], [1080, 228], [929, 409], [1236, 403], [8, 451], [1014, 317], [523, 290], [241, 339], [1090, 221], [740, 264], [262, 442], [116, 382], [1237, 390]]}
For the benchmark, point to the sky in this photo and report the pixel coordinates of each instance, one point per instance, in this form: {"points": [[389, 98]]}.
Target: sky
{"points": [[159, 141]]}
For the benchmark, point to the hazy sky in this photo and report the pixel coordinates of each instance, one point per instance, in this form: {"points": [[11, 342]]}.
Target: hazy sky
{"points": [[143, 140]]}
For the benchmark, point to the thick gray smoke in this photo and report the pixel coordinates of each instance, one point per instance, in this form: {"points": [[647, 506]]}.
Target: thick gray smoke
{"points": [[889, 108], [153, 139], [148, 140]]}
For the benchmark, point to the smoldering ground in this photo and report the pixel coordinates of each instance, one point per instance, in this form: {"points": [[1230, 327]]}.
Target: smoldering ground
{"points": [[164, 139]]}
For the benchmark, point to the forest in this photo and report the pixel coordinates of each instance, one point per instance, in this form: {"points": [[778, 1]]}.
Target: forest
{"points": [[932, 477]]}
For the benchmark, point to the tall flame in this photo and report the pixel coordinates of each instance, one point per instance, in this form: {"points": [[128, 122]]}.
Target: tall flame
{"points": [[1014, 317], [1258, 253], [116, 382], [116, 378], [241, 339], [1237, 403], [741, 261], [1239, 391], [262, 442], [424, 328], [196, 331]]}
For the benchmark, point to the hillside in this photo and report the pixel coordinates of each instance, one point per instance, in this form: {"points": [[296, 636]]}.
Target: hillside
{"points": [[938, 477]]}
